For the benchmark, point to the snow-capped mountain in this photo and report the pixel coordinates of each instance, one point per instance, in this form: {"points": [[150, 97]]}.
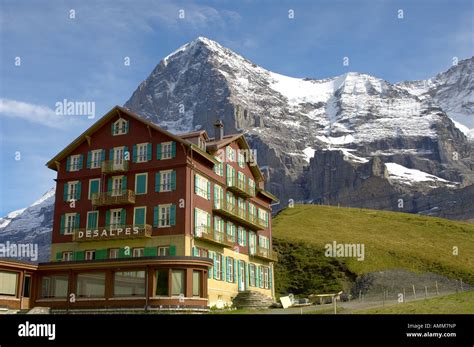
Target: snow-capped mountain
{"points": [[31, 225], [354, 139]]}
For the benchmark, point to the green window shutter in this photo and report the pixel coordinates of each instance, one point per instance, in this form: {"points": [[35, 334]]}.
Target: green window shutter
{"points": [[125, 155], [61, 226], [173, 149], [107, 218], [173, 180], [196, 183], [195, 221], [109, 184], [81, 157], [216, 198], [140, 216], [141, 183], [68, 164], [124, 183], [195, 252], [215, 255], [173, 214], [134, 154], [257, 277], [127, 126], [102, 155], [155, 216], [270, 277], [157, 181], [78, 191], [101, 254], [228, 177], [235, 271], [59, 256], [148, 151], [94, 188], [89, 159], [247, 272], [227, 262], [223, 268], [172, 250], [77, 221], [239, 236], [111, 154], [65, 192], [209, 221], [208, 190], [123, 216], [210, 271], [112, 128], [91, 220], [238, 274], [158, 151], [244, 234], [80, 255], [150, 251]]}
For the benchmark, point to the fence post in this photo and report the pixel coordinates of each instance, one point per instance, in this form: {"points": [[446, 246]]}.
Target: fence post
{"points": [[414, 291], [426, 292], [436, 284]]}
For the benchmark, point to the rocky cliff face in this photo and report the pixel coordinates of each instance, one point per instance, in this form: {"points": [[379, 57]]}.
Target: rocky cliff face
{"points": [[325, 141]]}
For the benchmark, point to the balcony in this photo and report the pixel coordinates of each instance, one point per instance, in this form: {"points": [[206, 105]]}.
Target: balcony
{"points": [[264, 253], [241, 188], [114, 197], [205, 233], [116, 232], [114, 166], [238, 215]]}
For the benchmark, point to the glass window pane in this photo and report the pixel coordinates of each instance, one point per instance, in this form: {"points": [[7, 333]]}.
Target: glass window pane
{"points": [[54, 286], [177, 282], [197, 283], [91, 285], [162, 282], [130, 283], [8, 281]]}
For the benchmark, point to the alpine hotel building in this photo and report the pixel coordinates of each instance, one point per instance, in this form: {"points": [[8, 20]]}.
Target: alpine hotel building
{"points": [[146, 218]]}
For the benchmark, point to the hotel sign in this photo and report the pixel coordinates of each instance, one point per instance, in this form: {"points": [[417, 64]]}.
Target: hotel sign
{"points": [[117, 233]]}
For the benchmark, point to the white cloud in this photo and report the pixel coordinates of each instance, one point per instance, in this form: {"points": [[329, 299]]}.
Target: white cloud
{"points": [[33, 113]]}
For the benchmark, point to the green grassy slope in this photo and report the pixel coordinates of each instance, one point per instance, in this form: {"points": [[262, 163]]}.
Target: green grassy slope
{"points": [[392, 241]]}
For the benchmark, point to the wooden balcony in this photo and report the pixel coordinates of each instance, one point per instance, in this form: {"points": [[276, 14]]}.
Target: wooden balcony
{"points": [[205, 233], [116, 232], [264, 253], [114, 197], [113, 166], [238, 215], [241, 188]]}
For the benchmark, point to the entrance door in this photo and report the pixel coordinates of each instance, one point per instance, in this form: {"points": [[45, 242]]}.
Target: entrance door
{"points": [[25, 300], [241, 273]]}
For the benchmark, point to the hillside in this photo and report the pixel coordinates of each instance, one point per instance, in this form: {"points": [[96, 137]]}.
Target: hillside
{"points": [[391, 240]]}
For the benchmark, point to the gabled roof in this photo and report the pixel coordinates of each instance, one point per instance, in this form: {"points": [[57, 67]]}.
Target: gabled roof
{"points": [[117, 111], [197, 133]]}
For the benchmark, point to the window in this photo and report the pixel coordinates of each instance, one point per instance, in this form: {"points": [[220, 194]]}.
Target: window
{"points": [[129, 283], [252, 277], [138, 252], [141, 152], [219, 168], [197, 275], [95, 158], [165, 215], [230, 152], [163, 251], [162, 282], [91, 285], [218, 196], [114, 253], [27, 287], [141, 184], [94, 187], [90, 255], [177, 282], [167, 150], [241, 209], [230, 270], [120, 127], [252, 242], [230, 175], [230, 200], [202, 187], [241, 181], [92, 220], [165, 180], [219, 225], [139, 215], [252, 186], [252, 212], [70, 223], [8, 283], [67, 256], [116, 218], [54, 286], [263, 242], [74, 162], [117, 185], [265, 277], [201, 252], [218, 266], [241, 159], [202, 222], [231, 231], [242, 236], [73, 191], [263, 217], [119, 157]]}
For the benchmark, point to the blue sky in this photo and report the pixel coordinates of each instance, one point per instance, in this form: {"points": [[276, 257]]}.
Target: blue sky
{"points": [[82, 58]]}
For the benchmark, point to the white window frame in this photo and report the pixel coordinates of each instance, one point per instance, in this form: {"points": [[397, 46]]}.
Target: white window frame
{"points": [[98, 161], [230, 268], [142, 158], [138, 252], [266, 277], [165, 207], [134, 214], [241, 159], [252, 278], [67, 229], [218, 264], [146, 183], [67, 256], [112, 211], [200, 223], [72, 190], [169, 153], [163, 251], [219, 168], [112, 251], [74, 162], [202, 182], [89, 254], [169, 173], [89, 195], [117, 192], [120, 130]]}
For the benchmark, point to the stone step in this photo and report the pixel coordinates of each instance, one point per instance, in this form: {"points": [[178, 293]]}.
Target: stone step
{"points": [[252, 300]]}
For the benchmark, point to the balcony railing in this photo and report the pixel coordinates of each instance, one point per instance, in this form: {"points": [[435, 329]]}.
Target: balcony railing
{"points": [[206, 233], [241, 188], [111, 166], [263, 253], [114, 232], [240, 215], [113, 197]]}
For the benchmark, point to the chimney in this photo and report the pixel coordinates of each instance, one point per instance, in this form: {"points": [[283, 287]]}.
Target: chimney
{"points": [[218, 130]]}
